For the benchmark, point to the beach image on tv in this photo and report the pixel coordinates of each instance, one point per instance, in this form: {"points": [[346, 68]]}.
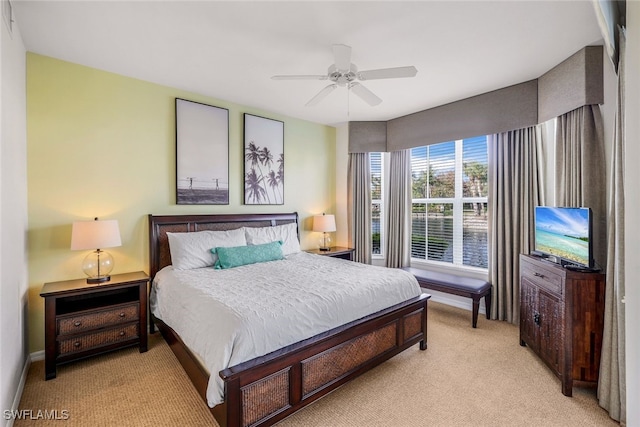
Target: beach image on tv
{"points": [[563, 232]]}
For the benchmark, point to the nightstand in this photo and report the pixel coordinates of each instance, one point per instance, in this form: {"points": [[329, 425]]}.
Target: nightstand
{"points": [[335, 252], [83, 320]]}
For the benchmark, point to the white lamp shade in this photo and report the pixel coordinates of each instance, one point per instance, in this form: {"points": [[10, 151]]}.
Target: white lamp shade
{"points": [[96, 234], [324, 223]]}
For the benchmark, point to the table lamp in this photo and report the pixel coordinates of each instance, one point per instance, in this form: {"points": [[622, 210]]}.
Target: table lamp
{"points": [[96, 235], [325, 224]]}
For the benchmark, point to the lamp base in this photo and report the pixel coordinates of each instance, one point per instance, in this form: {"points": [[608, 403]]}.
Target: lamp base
{"points": [[99, 279], [97, 266], [324, 244]]}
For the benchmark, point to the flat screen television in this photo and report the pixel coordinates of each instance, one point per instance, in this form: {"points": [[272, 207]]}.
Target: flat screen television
{"points": [[564, 235]]}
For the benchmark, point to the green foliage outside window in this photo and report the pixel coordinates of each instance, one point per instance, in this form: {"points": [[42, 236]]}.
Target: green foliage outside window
{"points": [[375, 239], [430, 185]]}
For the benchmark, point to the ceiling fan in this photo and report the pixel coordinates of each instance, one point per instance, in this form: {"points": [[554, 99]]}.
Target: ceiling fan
{"points": [[344, 73]]}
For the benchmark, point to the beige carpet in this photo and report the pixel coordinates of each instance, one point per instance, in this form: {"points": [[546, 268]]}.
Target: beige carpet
{"points": [[479, 377]]}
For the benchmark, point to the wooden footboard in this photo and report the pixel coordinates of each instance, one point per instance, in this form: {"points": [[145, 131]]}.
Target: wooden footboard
{"points": [[264, 390]]}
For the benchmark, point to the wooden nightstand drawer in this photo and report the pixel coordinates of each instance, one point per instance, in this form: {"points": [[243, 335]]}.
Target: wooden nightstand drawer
{"points": [[98, 339], [98, 319]]}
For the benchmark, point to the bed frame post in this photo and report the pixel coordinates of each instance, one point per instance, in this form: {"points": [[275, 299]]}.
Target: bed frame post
{"points": [[423, 341], [234, 403]]}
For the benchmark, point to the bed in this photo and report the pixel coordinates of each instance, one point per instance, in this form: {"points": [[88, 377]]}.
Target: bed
{"points": [[263, 390]]}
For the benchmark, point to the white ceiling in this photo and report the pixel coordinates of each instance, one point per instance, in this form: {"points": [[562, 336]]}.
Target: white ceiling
{"points": [[229, 50]]}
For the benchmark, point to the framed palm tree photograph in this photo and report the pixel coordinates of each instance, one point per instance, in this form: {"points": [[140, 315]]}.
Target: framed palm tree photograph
{"points": [[263, 161], [202, 154]]}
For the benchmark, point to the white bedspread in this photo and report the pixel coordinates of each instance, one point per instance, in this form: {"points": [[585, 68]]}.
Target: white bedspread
{"points": [[230, 316]]}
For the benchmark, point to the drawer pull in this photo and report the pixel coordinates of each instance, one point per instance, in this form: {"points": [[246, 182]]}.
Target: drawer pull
{"points": [[121, 333], [536, 318], [538, 274], [122, 314], [76, 344], [77, 323]]}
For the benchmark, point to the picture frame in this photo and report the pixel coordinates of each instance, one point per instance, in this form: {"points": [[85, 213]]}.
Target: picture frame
{"points": [[202, 154], [263, 161]]}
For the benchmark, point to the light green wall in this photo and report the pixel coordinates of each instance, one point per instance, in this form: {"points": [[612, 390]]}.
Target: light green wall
{"points": [[100, 144]]}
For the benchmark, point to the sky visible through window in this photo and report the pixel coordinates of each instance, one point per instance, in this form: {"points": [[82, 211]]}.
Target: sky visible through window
{"points": [[441, 155]]}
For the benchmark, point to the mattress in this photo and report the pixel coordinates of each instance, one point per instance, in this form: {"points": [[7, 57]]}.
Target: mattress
{"points": [[229, 316]]}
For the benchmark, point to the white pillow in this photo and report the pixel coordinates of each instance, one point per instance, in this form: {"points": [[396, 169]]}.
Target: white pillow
{"points": [[287, 233], [193, 250]]}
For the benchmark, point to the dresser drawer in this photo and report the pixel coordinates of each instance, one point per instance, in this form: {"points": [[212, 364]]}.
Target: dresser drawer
{"points": [[98, 319], [542, 277], [97, 339]]}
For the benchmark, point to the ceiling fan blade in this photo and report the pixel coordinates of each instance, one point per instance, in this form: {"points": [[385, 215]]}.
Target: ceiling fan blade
{"points": [[365, 94], [388, 73], [321, 95], [342, 56], [301, 77]]}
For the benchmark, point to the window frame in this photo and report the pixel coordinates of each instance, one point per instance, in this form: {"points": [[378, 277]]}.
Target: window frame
{"points": [[457, 201]]}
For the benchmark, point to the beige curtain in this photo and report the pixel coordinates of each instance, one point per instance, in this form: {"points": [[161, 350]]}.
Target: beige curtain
{"points": [[580, 172], [398, 219], [513, 195], [359, 206], [612, 381]]}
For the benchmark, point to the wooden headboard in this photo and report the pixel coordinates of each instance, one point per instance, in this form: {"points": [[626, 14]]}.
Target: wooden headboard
{"points": [[159, 225]]}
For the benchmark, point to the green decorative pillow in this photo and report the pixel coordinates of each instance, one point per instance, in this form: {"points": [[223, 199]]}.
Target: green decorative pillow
{"points": [[242, 255]]}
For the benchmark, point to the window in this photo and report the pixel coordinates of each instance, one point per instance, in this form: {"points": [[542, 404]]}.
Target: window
{"points": [[449, 202], [377, 207]]}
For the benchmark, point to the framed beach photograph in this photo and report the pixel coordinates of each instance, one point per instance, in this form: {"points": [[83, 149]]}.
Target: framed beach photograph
{"points": [[202, 154], [263, 161]]}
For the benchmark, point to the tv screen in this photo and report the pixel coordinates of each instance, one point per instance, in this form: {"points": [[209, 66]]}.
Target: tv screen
{"points": [[564, 233]]}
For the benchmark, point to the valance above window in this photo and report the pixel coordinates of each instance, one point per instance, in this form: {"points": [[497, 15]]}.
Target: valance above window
{"points": [[572, 84], [513, 107], [367, 137], [575, 82]]}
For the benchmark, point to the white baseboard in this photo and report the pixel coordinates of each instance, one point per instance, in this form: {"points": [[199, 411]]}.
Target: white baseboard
{"points": [[33, 357], [36, 356], [23, 380]]}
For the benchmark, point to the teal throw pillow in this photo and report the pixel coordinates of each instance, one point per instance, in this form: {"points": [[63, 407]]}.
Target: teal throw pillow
{"points": [[242, 255]]}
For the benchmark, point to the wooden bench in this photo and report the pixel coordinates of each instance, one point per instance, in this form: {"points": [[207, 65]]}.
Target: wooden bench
{"points": [[456, 285]]}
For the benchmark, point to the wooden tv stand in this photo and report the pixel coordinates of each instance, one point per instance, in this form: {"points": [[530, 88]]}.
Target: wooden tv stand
{"points": [[562, 318]]}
